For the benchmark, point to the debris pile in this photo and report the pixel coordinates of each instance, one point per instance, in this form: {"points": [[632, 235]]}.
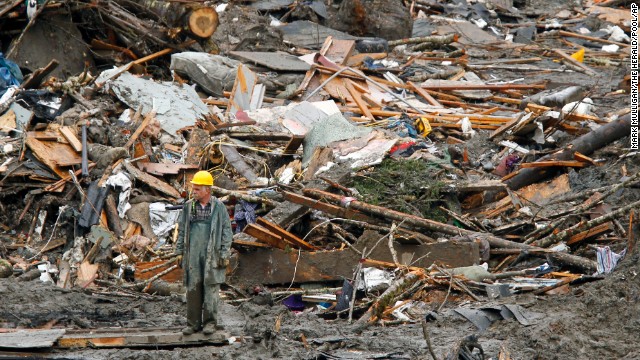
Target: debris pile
{"points": [[373, 173]]}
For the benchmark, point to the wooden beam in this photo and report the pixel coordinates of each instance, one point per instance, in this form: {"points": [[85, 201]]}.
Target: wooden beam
{"points": [[422, 92], [587, 70], [591, 233], [327, 208], [140, 129], [265, 236], [151, 180], [463, 86], [285, 234], [71, 137], [553, 163], [293, 144], [357, 98]]}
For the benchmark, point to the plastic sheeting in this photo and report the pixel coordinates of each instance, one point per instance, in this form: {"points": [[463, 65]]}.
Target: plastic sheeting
{"points": [[162, 221]]}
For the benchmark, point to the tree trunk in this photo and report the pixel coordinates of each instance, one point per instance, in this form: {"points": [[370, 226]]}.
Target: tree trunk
{"points": [[585, 144], [567, 259]]}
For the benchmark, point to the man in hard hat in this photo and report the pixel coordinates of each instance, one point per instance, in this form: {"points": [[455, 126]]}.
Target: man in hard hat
{"points": [[204, 238]]}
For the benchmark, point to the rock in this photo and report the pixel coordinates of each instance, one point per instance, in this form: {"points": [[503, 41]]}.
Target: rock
{"points": [[6, 269]]}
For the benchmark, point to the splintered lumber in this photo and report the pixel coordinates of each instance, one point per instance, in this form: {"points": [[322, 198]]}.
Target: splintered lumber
{"points": [[133, 337], [293, 144], [285, 234], [583, 226], [387, 265], [585, 144], [565, 57], [591, 233], [590, 38], [53, 154], [152, 181], [147, 270], [463, 86], [325, 207], [34, 80], [357, 98], [550, 163], [388, 297], [422, 92], [113, 219], [140, 129], [71, 137], [255, 244], [416, 221], [265, 236]]}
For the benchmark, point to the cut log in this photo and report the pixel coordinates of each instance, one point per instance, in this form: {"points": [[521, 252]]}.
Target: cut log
{"points": [[200, 21], [585, 144]]}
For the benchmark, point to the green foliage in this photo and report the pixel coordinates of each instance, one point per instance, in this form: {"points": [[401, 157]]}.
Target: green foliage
{"points": [[404, 185]]}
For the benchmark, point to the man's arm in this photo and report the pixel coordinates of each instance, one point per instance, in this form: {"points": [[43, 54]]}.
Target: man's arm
{"points": [[227, 233], [181, 231]]}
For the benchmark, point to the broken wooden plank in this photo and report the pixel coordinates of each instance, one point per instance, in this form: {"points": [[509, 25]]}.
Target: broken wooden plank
{"points": [[30, 339], [54, 155], [174, 276], [140, 129], [591, 233], [568, 163], [150, 180], [357, 98], [34, 80], [285, 234], [8, 121], [340, 51], [565, 57], [136, 337], [420, 91], [256, 244], [584, 158], [506, 127], [462, 86], [71, 137], [330, 209], [265, 236], [293, 144]]}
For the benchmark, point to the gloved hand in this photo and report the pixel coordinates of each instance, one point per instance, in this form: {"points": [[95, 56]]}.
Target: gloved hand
{"points": [[223, 262]]}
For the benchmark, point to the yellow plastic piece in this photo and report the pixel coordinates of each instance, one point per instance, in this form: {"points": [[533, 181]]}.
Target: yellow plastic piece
{"points": [[202, 178], [423, 126], [578, 55]]}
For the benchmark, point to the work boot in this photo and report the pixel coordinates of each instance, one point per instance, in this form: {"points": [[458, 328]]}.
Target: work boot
{"points": [[209, 329], [188, 331]]}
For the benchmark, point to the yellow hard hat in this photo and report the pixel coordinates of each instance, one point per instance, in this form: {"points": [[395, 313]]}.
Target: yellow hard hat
{"points": [[202, 178]]}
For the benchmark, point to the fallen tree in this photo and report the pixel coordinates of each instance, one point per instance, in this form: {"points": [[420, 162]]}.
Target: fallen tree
{"points": [[585, 144]]}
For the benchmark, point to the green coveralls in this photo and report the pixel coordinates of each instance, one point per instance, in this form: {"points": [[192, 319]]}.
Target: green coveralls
{"points": [[205, 244]]}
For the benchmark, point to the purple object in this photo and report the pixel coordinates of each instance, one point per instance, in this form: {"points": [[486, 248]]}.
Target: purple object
{"points": [[294, 302]]}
